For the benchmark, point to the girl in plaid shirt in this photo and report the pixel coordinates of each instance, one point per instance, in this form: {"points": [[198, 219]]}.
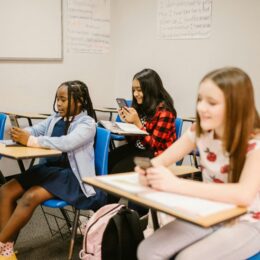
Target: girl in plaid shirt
{"points": [[152, 110]]}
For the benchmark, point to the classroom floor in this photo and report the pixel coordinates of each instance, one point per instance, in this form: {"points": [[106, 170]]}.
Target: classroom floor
{"points": [[35, 241]]}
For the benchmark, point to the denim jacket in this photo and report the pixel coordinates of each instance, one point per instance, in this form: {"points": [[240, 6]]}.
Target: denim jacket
{"points": [[78, 144]]}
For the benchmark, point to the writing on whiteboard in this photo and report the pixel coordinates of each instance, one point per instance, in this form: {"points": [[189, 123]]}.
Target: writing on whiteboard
{"points": [[88, 28], [184, 19]]}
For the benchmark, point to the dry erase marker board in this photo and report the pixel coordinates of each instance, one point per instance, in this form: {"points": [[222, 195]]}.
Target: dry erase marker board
{"points": [[31, 29]]}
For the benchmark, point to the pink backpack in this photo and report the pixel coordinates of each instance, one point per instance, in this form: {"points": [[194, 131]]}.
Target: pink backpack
{"points": [[94, 232], [113, 232]]}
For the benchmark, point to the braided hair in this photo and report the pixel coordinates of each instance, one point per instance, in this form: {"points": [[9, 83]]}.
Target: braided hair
{"points": [[77, 90]]}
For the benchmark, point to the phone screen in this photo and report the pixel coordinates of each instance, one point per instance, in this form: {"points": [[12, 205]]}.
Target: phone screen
{"points": [[143, 162], [121, 102], [13, 120]]}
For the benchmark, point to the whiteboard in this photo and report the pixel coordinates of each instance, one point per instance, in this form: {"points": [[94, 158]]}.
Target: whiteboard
{"points": [[31, 30]]}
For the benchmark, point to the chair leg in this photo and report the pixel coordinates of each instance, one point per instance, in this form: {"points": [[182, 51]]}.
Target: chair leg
{"points": [[195, 159], [66, 217], [74, 232], [2, 179], [112, 145]]}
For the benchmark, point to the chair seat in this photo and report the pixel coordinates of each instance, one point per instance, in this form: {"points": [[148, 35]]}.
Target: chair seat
{"points": [[117, 137], [255, 257], [55, 203]]}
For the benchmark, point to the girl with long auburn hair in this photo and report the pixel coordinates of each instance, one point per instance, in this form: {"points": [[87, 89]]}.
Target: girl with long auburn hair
{"points": [[227, 135]]}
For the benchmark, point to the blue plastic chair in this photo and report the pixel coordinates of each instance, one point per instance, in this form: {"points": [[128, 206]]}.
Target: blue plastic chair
{"points": [[2, 126], [178, 129], [101, 165], [2, 131], [255, 257]]}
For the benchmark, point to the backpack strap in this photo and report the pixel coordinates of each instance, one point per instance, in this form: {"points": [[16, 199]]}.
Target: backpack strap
{"points": [[134, 222], [132, 219], [118, 224]]}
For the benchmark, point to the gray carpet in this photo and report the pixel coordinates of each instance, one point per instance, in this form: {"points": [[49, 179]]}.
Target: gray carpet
{"points": [[35, 241]]}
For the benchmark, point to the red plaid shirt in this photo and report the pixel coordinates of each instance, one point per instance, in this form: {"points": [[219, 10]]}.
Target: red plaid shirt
{"points": [[161, 129]]}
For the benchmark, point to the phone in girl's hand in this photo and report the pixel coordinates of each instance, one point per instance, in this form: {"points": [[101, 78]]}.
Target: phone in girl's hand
{"points": [[143, 162], [121, 102], [13, 120]]}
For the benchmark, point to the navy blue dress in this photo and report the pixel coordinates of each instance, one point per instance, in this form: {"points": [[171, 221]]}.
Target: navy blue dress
{"points": [[57, 177]]}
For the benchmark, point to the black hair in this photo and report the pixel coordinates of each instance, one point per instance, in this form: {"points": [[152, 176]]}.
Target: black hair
{"points": [[77, 90], [153, 94]]}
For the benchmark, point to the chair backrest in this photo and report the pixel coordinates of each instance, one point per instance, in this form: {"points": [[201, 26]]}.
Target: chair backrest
{"points": [[2, 125], [101, 150], [129, 103], [178, 127]]}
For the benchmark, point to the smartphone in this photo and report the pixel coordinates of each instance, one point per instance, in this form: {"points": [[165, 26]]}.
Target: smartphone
{"points": [[143, 162], [121, 102], [13, 120]]}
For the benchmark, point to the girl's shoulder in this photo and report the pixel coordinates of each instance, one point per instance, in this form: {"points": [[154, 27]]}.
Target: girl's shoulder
{"points": [[161, 108], [254, 143], [83, 118]]}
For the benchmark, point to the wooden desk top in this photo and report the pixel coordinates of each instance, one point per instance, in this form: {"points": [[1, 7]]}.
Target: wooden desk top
{"points": [[136, 197], [183, 169], [188, 118], [27, 115], [24, 152], [106, 109]]}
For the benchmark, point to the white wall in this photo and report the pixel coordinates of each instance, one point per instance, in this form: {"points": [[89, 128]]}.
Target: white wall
{"points": [[235, 40], [31, 86]]}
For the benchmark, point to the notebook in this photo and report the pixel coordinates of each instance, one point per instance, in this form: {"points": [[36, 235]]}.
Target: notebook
{"points": [[122, 128], [187, 205], [9, 143]]}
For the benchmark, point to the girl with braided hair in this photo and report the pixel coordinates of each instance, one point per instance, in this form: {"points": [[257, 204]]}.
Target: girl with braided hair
{"points": [[71, 129]]}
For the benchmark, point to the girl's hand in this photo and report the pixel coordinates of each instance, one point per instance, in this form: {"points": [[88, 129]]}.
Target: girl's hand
{"points": [[161, 178], [131, 116], [19, 135], [142, 176], [121, 114]]}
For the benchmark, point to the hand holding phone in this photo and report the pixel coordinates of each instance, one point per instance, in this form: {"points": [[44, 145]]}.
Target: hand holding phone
{"points": [[121, 102], [143, 162], [13, 120]]}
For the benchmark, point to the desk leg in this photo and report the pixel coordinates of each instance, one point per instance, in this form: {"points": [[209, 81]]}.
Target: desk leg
{"points": [[21, 166], [110, 116], [29, 121], [155, 219]]}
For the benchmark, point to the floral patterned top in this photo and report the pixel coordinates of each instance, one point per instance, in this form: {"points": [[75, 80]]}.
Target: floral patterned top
{"points": [[215, 165]]}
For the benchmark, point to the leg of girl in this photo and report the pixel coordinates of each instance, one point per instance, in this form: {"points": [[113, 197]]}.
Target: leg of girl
{"points": [[15, 218], [177, 234], [239, 241]]}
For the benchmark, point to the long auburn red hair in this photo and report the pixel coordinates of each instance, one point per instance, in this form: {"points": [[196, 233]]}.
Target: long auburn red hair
{"points": [[241, 117]]}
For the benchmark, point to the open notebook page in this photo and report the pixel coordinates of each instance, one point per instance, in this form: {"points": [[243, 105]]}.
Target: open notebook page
{"points": [[179, 203], [189, 205], [131, 128], [128, 183]]}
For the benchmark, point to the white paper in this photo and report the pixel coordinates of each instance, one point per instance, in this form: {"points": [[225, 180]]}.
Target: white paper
{"points": [[186, 204], [8, 142], [128, 183], [88, 26], [131, 128], [122, 128], [184, 19]]}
